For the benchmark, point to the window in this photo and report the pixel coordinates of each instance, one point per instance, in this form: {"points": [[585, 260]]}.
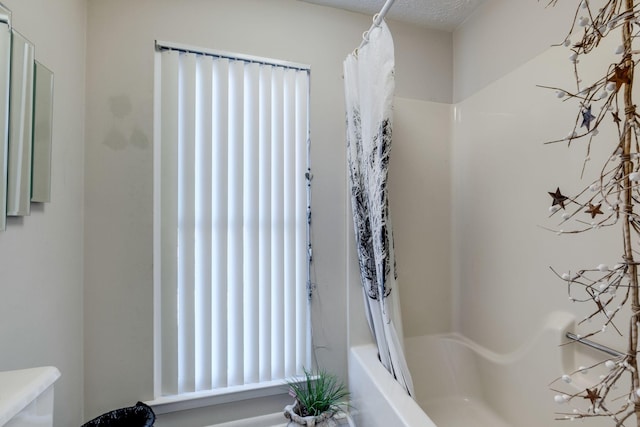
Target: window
{"points": [[231, 221]]}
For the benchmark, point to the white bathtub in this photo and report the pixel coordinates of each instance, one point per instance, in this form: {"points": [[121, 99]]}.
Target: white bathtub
{"points": [[460, 384], [377, 400]]}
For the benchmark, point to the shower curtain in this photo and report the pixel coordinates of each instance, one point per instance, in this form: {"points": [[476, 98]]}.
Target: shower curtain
{"points": [[369, 87]]}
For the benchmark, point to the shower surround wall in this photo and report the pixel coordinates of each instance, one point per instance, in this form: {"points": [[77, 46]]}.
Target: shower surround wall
{"points": [[502, 171], [447, 176]]}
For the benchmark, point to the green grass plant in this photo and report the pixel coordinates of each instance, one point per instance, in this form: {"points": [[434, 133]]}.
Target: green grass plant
{"points": [[318, 393]]}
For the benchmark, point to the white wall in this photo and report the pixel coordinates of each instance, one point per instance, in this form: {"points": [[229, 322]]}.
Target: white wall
{"points": [[502, 35], [41, 256], [118, 237]]}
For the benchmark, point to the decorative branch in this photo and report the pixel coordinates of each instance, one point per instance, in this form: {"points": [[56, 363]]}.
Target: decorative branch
{"points": [[607, 201]]}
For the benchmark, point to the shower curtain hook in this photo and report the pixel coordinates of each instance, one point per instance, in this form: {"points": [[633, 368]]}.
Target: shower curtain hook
{"points": [[375, 19], [365, 36]]}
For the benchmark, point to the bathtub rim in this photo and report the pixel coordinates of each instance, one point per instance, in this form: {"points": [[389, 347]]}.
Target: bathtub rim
{"points": [[404, 407]]}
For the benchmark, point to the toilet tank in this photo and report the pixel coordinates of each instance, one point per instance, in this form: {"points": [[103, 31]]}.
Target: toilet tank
{"points": [[26, 397]]}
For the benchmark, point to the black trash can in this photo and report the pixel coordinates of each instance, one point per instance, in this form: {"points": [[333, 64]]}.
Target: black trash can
{"points": [[140, 415]]}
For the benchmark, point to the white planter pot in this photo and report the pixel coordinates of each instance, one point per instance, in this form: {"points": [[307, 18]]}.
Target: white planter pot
{"points": [[323, 420]]}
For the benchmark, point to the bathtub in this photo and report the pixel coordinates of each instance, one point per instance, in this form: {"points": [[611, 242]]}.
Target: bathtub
{"points": [[459, 383]]}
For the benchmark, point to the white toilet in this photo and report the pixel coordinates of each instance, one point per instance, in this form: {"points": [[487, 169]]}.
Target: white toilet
{"points": [[26, 397]]}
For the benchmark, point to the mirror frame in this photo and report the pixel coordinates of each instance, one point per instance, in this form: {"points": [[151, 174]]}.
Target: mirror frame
{"points": [[5, 67], [42, 131], [20, 126]]}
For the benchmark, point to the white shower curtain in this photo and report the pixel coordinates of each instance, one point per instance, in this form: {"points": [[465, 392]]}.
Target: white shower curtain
{"points": [[369, 87]]}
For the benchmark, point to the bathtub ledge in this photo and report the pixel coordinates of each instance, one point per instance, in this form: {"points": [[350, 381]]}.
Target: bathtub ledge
{"points": [[21, 387]]}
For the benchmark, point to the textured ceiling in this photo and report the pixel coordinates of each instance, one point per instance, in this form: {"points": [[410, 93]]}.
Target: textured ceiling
{"points": [[438, 14]]}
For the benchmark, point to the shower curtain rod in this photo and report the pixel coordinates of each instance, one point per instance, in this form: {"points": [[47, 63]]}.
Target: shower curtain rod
{"points": [[377, 19]]}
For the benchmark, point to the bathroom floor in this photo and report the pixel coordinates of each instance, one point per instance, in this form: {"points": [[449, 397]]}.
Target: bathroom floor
{"points": [[462, 412]]}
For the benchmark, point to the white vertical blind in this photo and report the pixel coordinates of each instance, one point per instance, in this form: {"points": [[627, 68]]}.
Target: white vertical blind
{"points": [[203, 221], [265, 235], [219, 221], [186, 223], [250, 207], [233, 222], [290, 219], [277, 225], [169, 218]]}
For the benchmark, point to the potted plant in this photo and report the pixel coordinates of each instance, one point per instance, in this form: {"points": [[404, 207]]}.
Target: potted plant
{"points": [[318, 398]]}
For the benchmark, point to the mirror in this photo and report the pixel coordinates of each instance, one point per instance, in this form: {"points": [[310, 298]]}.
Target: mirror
{"points": [[5, 60], [26, 112], [42, 125], [5, 15], [20, 126]]}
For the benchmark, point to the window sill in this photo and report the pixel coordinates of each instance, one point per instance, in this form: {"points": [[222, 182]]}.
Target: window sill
{"points": [[200, 399]]}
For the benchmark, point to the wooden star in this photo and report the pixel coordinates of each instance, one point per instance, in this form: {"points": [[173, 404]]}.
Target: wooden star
{"points": [[592, 395], [620, 76], [594, 210], [587, 118], [558, 198], [616, 118]]}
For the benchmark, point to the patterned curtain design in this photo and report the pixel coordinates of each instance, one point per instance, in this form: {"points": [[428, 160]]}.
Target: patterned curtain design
{"points": [[369, 88]]}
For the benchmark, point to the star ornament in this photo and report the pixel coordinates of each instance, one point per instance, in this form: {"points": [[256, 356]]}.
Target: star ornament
{"points": [[558, 198], [616, 117], [587, 118], [594, 210], [620, 76], [592, 395]]}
